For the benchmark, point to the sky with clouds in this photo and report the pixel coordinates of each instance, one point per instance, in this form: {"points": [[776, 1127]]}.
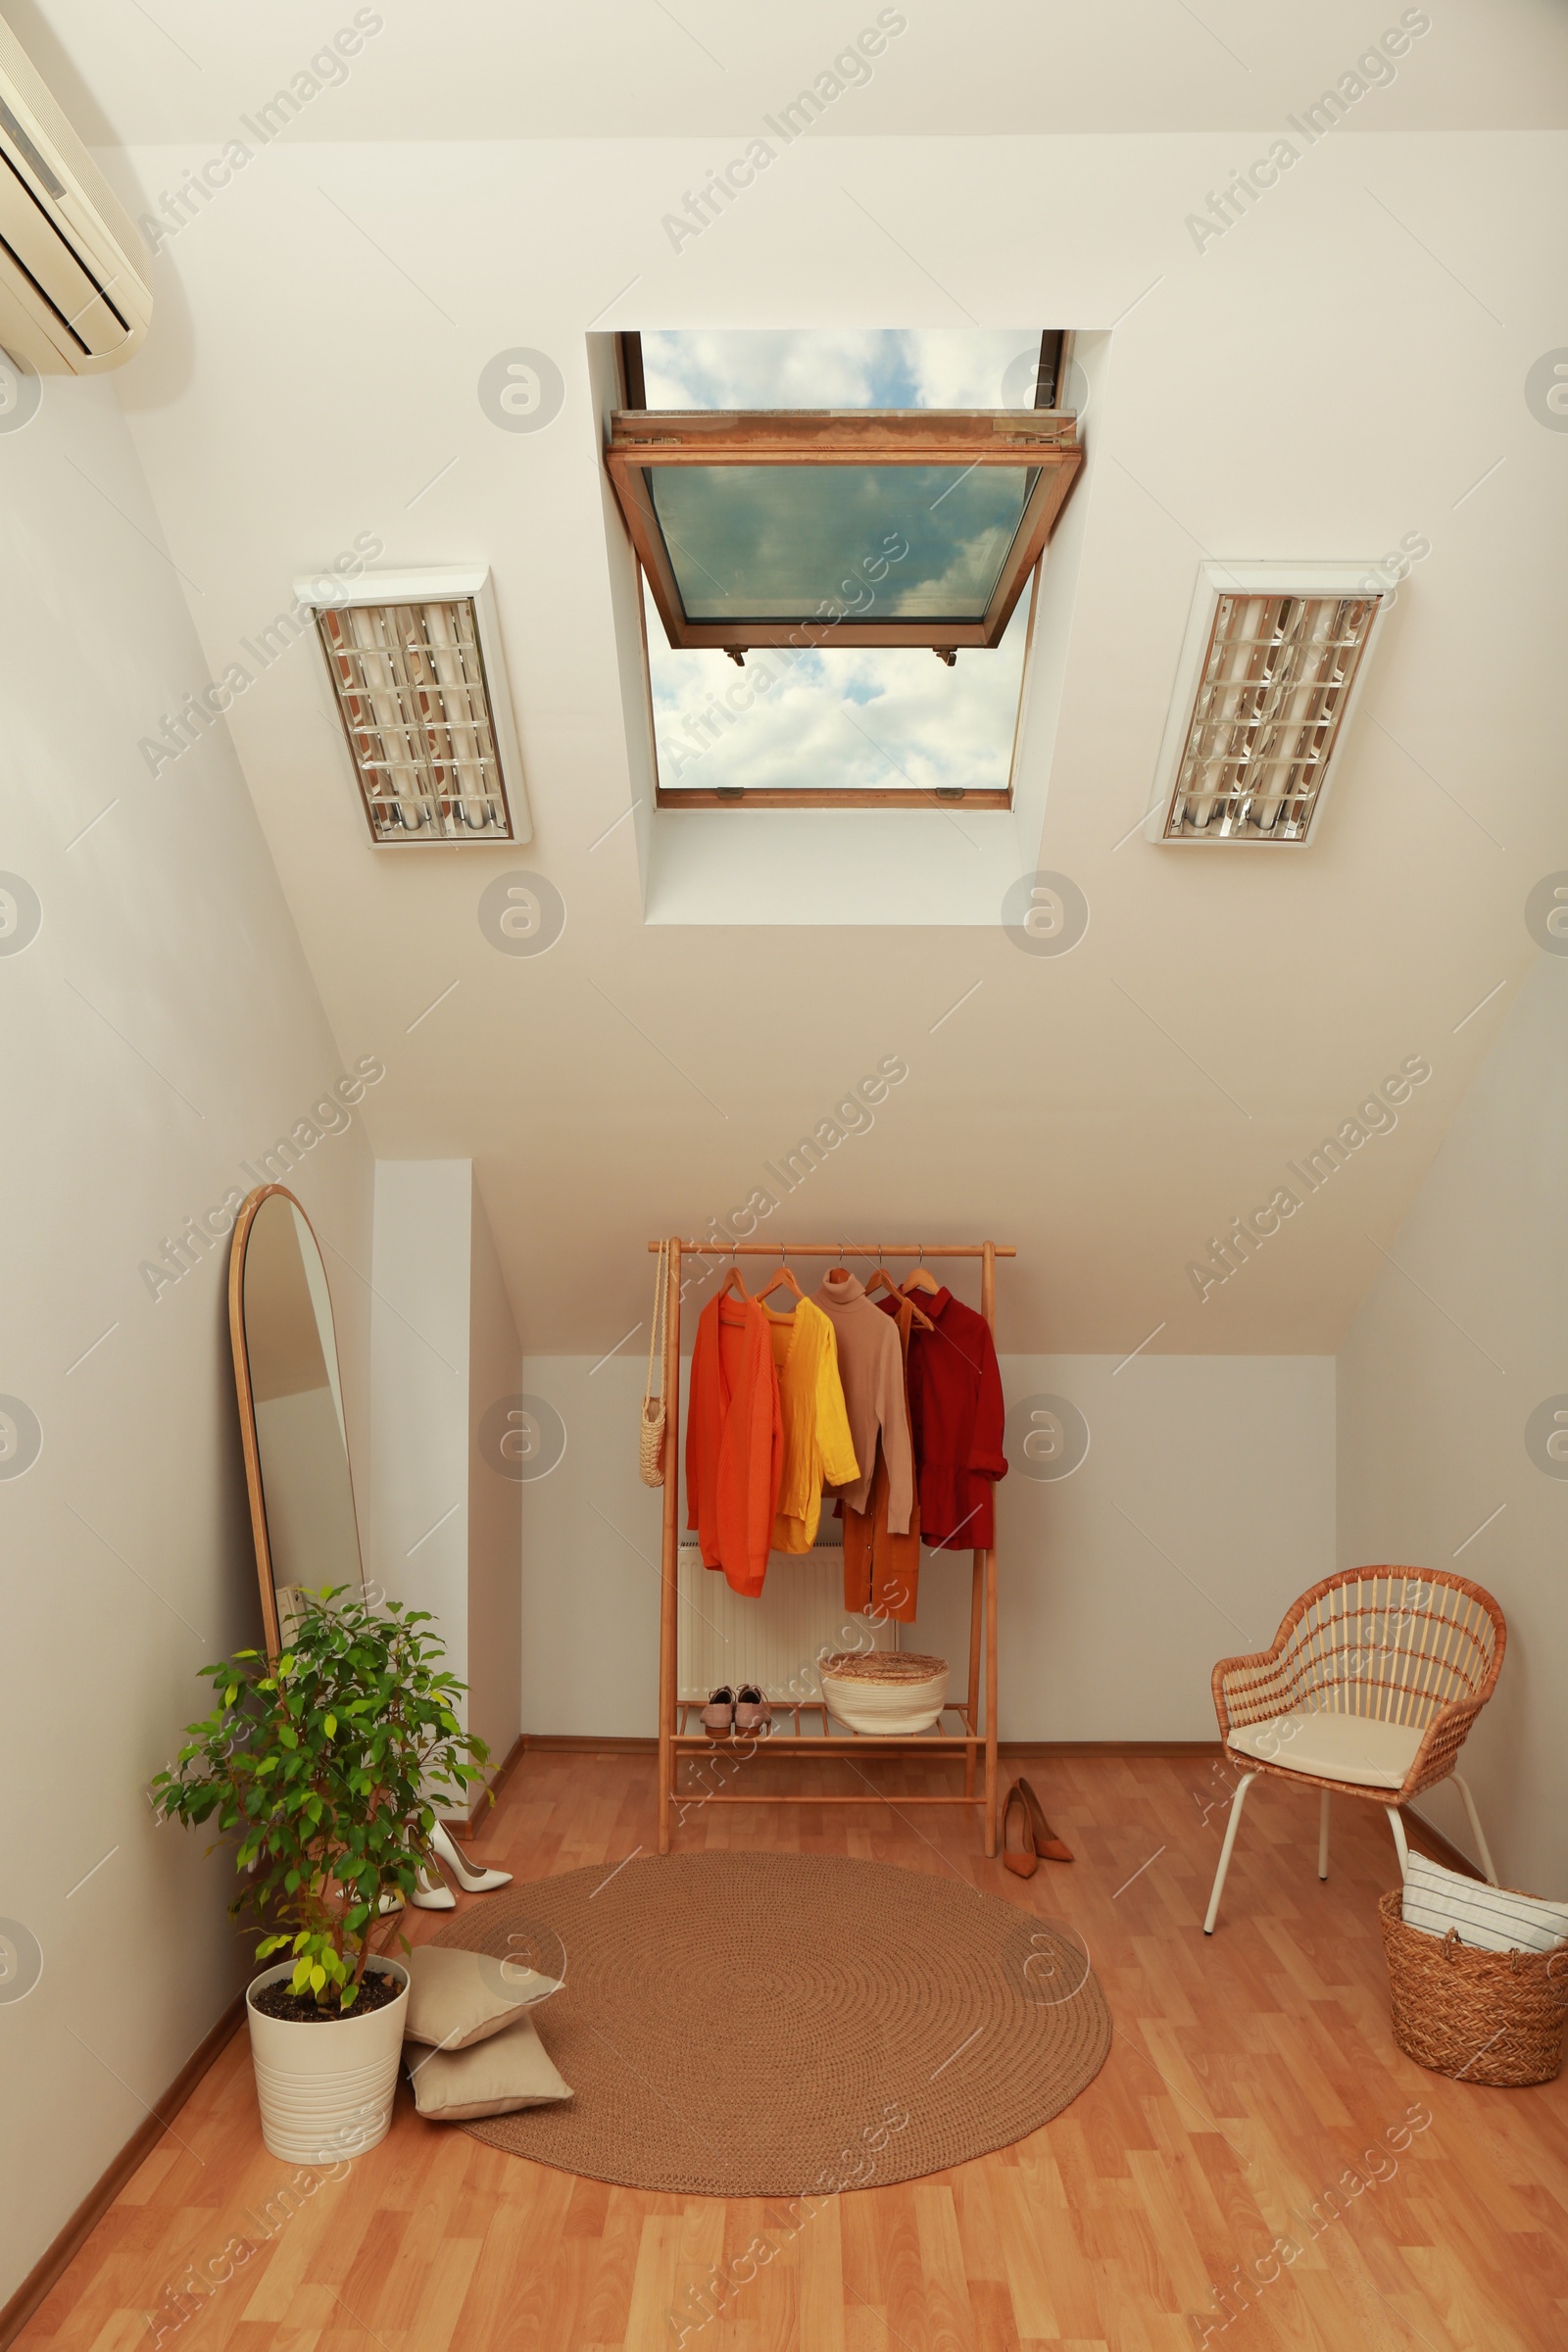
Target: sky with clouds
{"points": [[867, 368], [866, 718]]}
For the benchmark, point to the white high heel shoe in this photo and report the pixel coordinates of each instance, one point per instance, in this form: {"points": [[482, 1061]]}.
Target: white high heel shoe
{"points": [[430, 1890], [472, 1882]]}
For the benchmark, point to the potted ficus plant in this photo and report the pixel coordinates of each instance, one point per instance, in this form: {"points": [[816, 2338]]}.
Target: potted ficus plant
{"points": [[327, 1767]]}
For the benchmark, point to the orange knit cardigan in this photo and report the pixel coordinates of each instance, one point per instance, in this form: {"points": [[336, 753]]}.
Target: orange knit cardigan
{"points": [[734, 1440]]}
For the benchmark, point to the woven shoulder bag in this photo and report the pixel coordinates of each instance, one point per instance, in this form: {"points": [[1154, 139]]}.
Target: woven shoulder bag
{"points": [[651, 1429]]}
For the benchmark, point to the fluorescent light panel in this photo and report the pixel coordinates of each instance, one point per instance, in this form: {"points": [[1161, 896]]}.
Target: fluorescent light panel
{"points": [[1274, 660], [414, 662]]}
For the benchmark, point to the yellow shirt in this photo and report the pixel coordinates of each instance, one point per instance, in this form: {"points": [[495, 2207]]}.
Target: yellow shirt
{"points": [[819, 1450]]}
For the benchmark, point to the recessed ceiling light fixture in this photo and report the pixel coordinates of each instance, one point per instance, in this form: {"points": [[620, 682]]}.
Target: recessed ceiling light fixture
{"points": [[418, 676], [1274, 658]]}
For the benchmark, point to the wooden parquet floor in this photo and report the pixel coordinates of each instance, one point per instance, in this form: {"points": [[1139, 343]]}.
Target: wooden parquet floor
{"points": [[1252, 2100]]}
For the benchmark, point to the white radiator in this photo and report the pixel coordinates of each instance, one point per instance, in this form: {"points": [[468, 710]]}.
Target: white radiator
{"points": [[775, 1639]]}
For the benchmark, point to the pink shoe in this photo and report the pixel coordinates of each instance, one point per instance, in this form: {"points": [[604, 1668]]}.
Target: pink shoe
{"points": [[718, 1716], [754, 1714]]}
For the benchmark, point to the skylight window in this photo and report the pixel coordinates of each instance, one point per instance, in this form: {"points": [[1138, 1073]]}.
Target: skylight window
{"points": [[887, 525], [826, 509]]}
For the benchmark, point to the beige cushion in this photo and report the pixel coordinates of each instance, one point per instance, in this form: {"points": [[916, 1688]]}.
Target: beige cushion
{"points": [[1336, 1747], [1492, 1919], [506, 2071], [457, 1997]]}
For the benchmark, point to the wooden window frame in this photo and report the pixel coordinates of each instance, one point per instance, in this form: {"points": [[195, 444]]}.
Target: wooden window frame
{"points": [[1043, 438]]}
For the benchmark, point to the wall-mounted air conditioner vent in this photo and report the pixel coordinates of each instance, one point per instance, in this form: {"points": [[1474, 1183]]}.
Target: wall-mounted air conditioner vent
{"points": [[1274, 658], [415, 661], [73, 291]]}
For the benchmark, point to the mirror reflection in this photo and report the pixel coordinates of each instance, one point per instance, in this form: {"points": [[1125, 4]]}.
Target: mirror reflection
{"points": [[307, 1536]]}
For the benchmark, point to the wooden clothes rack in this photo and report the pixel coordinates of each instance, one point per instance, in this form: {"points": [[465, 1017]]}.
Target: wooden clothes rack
{"points": [[978, 1736]]}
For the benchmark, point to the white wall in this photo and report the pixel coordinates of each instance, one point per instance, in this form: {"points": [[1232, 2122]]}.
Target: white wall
{"points": [[420, 1390], [158, 1029], [1203, 1506], [446, 1529], [1456, 1343], [495, 1502]]}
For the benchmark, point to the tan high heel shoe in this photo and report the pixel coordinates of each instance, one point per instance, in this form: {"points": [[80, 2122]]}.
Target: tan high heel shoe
{"points": [[1023, 1864], [1047, 1846]]}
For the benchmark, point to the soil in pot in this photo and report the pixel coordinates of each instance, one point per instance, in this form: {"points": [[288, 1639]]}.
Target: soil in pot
{"points": [[378, 1989]]}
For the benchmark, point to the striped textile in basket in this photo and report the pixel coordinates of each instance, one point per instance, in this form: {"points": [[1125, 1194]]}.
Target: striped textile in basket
{"points": [[1490, 1919]]}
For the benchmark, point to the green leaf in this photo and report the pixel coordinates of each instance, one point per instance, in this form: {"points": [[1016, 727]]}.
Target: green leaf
{"points": [[331, 1727]]}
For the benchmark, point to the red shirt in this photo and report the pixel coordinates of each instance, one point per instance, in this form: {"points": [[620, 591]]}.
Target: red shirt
{"points": [[957, 1418]]}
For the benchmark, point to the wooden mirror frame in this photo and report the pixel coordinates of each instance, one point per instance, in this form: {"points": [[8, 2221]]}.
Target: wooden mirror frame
{"points": [[247, 1403]]}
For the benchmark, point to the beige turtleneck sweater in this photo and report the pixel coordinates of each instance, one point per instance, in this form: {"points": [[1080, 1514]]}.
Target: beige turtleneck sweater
{"points": [[871, 1369]]}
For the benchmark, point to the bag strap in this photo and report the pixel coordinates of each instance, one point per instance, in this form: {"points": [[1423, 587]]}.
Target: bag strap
{"points": [[661, 1289]]}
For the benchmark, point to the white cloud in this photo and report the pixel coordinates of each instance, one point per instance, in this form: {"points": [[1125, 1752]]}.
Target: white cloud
{"points": [[963, 368]]}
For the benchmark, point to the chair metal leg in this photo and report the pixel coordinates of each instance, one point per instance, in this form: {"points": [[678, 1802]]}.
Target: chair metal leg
{"points": [[1399, 1839], [1323, 1834], [1476, 1831], [1231, 1827]]}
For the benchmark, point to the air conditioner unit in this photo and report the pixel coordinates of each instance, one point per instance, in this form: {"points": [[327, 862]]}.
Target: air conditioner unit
{"points": [[73, 291]]}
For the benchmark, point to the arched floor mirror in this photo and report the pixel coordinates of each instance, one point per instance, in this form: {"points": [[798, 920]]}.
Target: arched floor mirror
{"points": [[297, 1449], [290, 1409]]}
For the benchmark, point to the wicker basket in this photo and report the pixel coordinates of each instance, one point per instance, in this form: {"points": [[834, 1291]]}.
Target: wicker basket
{"points": [[894, 1692], [1482, 2017]]}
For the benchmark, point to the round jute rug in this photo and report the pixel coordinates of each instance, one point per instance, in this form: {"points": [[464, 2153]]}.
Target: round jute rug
{"points": [[743, 2025]]}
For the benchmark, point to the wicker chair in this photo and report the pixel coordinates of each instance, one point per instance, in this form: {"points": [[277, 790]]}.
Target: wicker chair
{"points": [[1370, 1689]]}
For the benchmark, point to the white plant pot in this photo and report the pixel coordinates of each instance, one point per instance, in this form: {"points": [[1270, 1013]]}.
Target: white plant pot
{"points": [[325, 2089]]}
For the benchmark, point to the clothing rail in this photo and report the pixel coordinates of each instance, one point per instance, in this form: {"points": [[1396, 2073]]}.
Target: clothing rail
{"points": [[838, 1248], [674, 1744]]}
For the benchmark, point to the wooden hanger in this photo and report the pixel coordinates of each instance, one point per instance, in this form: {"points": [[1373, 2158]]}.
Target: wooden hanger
{"points": [[882, 1280], [772, 1282], [732, 1282], [920, 1280]]}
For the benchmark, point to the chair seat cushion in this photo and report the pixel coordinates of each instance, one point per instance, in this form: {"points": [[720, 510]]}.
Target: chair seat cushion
{"points": [[1355, 1749]]}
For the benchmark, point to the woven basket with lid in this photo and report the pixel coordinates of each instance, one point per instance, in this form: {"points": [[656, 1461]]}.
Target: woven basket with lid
{"points": [[895, 1691]]}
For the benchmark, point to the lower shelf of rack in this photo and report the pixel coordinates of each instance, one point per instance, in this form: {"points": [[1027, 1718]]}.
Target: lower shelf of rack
{"points": [[966, 1746], [806, 1744], [870, 1796], [800, 1742]]}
